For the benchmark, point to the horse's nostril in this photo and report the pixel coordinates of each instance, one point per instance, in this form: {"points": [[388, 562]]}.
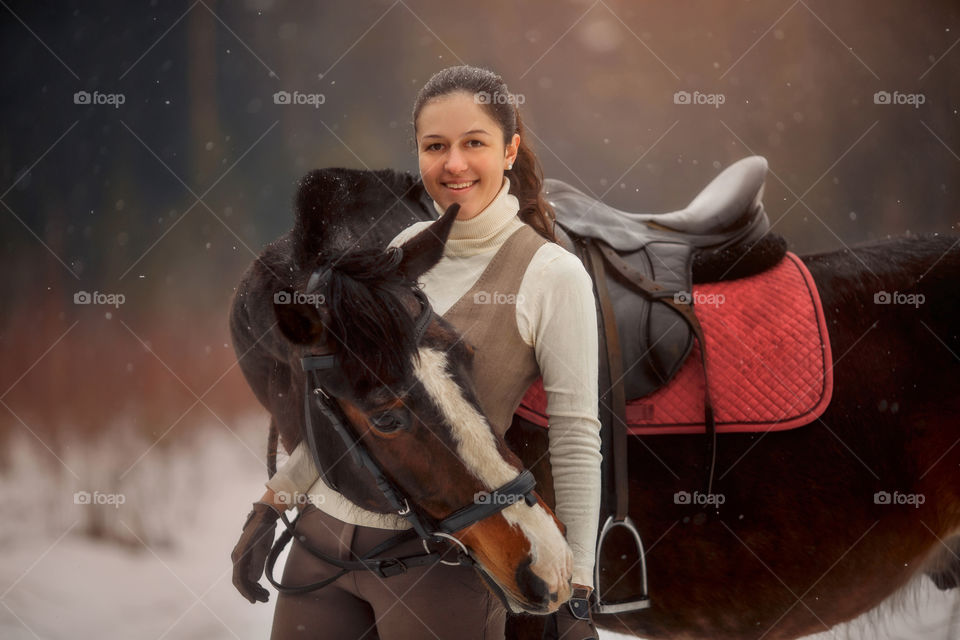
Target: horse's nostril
{"points": [[554, 596], [531, 585]]}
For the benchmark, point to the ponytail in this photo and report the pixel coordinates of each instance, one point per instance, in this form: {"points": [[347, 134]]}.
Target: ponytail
{"points": [[526, 183]]}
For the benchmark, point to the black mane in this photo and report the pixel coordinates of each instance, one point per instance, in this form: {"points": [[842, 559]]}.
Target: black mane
{"points": [[369, 321]]}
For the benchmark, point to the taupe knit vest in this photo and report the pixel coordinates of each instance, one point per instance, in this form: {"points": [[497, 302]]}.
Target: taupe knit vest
{"points": [[504, 365]]}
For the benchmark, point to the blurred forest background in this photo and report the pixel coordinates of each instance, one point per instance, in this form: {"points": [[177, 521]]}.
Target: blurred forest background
{"points": [[182, 165]]}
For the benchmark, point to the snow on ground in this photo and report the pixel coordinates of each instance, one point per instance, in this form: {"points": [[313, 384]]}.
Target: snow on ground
{"points": [[58, 583], [164, 570]]}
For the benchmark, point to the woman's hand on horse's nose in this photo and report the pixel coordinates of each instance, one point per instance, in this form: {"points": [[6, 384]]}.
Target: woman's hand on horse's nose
{"points": [[250, 554]]}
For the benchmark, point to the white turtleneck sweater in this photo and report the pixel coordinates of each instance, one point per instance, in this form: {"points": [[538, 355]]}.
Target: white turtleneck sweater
{"points": [[556, 316]]}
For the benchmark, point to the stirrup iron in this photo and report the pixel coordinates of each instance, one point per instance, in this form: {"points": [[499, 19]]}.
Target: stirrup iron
{"points": [[642, 601]]}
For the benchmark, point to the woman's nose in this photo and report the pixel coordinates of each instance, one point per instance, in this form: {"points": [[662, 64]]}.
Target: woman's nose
{"points": [[455, 162]]}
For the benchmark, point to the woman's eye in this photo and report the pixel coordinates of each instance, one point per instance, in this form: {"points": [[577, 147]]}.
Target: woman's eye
{"points": [[433, 147], [388, 421], [474, 143]]}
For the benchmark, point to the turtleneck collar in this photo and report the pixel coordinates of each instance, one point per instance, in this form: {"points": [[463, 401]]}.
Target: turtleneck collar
{"points": [[488, 229]]}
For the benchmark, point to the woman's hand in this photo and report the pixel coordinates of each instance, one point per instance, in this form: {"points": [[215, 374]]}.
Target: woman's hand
{"points": [[250, 554]]}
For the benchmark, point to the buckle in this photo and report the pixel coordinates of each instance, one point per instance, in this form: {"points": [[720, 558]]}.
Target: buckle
{"points": [[391, 567], [579, 608]]}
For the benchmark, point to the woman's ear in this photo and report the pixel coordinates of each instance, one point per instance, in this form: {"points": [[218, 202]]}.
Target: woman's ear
{"points": [[512, 149]]}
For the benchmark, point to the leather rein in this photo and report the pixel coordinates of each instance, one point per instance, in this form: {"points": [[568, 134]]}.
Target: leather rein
{"points": [[423, 525]]}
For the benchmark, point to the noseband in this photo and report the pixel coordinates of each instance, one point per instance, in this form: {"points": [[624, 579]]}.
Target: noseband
{"points": [[423, 525]]}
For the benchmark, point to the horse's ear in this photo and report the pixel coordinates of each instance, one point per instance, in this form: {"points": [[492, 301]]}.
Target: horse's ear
{"points": [[300, 322], [425, 249]]}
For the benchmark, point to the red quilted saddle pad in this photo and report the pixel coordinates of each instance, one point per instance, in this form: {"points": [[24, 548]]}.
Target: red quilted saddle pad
{"points": [[768, 356]]}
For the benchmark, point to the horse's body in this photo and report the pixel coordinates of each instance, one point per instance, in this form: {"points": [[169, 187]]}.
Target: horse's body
{"points": [[800, 543]]}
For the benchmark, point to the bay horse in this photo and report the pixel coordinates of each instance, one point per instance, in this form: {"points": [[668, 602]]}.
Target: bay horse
{"points": [[802, 542]]}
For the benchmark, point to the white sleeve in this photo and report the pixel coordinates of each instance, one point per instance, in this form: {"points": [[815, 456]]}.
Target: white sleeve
{"points": [[564, 330], [297, 474]]}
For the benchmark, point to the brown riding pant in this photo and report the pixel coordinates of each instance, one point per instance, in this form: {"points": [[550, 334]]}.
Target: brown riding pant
{"points": [[432, 601]]}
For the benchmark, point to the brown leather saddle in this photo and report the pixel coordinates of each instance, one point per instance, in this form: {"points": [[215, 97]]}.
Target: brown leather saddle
{"points": [[642, 268]]}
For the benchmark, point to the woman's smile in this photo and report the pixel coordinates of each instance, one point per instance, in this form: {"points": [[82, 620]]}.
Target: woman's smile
{"points": [[460, 185]]}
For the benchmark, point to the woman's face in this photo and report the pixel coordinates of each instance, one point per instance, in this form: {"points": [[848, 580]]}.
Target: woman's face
{"points": [[461, 152]]}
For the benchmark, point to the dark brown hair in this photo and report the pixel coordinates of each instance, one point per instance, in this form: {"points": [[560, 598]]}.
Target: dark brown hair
{"points": [[491, 93]]}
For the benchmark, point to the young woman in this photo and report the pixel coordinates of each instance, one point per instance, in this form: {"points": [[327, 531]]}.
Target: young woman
{"points": [[540, 319]]}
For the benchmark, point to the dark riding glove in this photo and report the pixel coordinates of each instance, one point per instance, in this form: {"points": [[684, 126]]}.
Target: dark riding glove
{"points": [[572, 621], [250, 554]]}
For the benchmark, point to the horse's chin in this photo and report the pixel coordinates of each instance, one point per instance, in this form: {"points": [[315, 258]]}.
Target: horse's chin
{"points": [[518, 607], [517, 604]]}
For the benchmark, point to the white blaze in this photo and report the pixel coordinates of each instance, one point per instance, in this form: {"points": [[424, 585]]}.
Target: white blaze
{"points": [[477, 447]]}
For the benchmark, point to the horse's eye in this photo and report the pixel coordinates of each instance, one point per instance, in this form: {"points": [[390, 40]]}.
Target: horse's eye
{"points": [[389, 421]]}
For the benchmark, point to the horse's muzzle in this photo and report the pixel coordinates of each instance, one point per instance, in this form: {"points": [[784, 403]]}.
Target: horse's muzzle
{"points": [[538, 595]]}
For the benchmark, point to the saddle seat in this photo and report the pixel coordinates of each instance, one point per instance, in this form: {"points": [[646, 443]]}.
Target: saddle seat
{"points": [[654, 339], [728, 211]]}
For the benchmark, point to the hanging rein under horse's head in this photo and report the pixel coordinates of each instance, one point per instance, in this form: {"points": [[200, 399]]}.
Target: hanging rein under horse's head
{"points": [[396, 423]]}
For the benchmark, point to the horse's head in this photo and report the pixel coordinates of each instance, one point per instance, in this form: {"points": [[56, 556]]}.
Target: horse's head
{"points": [[405, 394]]}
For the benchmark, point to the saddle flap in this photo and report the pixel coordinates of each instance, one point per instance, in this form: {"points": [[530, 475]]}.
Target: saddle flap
{"points": [[654, 339]]}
